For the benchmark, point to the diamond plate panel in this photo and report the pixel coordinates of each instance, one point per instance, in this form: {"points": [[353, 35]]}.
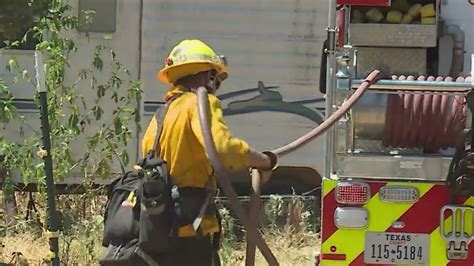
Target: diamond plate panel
{"points": [[393, 35], [395, 61]]}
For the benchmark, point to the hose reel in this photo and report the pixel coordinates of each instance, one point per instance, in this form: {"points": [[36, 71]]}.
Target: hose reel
{"points": [[426, 121], [403, 114], [426, 114]]}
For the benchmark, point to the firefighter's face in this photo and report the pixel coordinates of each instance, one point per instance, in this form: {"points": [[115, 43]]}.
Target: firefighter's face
{"points": [[213, 82]]}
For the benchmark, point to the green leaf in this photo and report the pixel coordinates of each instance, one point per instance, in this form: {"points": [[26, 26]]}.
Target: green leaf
{"points": [[83, 101], [116, 81], [118, 125], [24, 74], [113, 56], [23, 39], [124, 157], [100, 91], [137, 116], [98, 63], [83, 73], [71, 45], [42, 45], [88, 16], [73, 121], [12, 64], [115, 96], [93, 82], [98, 112]]}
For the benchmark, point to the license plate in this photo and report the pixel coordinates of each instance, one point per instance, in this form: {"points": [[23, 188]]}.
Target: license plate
{"points": [[399, 248]]}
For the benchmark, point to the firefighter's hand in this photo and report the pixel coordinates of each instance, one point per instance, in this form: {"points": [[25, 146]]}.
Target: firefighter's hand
{"points": [[265, 175], [266, 160], [273, 158]]}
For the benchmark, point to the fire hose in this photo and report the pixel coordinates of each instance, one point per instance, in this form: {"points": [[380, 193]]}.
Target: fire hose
{"points": [[254, 238]]}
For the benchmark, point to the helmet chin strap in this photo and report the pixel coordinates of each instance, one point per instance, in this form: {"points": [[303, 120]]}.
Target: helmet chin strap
{"points": [[211, 88]]}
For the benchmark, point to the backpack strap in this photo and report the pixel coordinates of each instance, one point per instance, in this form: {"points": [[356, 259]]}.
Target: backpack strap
{"points": [[160, 118]]}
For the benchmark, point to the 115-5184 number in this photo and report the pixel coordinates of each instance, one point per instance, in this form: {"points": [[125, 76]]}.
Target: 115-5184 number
{"points": [[380, 251], [396, 248]]}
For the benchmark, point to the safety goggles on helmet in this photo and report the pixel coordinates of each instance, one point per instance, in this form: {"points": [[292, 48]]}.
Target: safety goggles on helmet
{"points": [[223, 74]]}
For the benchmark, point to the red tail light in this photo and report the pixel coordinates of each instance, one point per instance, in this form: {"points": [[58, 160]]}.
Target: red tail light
{"points": [[354, 193]]}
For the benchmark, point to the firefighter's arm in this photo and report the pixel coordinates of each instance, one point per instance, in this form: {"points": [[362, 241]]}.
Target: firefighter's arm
{"points": [[263, 161], [233, 152]]}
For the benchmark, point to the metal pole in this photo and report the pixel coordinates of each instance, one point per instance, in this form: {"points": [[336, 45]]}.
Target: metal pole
{"points": [[330, 85], [472, 70], [45, 154], [470, 102]]}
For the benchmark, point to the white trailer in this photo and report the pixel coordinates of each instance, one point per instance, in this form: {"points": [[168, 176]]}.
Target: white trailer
{"points": [[274, 49]]}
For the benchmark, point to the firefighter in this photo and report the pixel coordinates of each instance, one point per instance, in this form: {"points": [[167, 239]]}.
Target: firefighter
{"points": [[192, 64]]}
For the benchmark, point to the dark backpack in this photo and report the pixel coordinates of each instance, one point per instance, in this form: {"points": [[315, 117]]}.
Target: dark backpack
{"points": [[143, 207], [139, 211]]}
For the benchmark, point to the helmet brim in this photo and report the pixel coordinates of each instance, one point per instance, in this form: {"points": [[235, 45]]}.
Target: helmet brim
{"points": [[170, 74]]}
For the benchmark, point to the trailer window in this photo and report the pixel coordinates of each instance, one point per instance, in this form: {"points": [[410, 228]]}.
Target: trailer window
{"points": [[103, 15], [16, 18]]}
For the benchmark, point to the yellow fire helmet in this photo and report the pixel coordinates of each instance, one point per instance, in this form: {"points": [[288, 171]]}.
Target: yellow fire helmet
{"points": [[190, 57]]}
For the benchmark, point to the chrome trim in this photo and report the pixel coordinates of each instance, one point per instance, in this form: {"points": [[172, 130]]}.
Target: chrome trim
{"points": [[385, 189], [457, 239], [398, 224]]}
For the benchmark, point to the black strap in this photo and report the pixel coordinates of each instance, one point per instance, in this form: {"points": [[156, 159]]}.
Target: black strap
{"points": [[31, 207], [470, 105], [160, 118], [216, 238], [148, 259], [323, 68]]}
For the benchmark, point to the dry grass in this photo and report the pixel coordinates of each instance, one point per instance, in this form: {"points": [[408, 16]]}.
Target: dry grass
{"points": [[289, 230], [288, 246], [284, 245], [23, 249], [77, 247]]}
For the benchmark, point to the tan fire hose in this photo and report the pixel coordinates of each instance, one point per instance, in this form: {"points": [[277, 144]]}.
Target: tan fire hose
{"points": [[223, 175]]}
